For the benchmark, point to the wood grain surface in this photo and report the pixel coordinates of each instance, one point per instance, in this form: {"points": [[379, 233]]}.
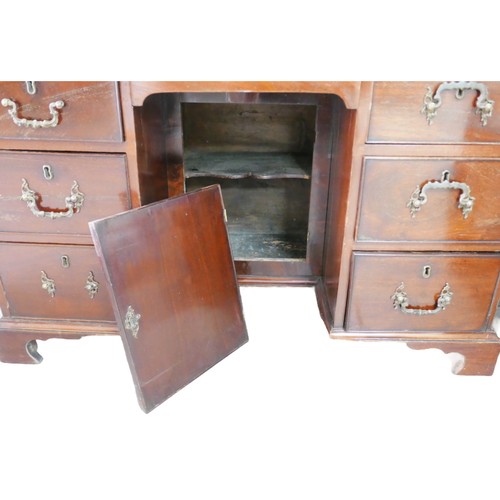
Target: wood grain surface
{"points": [[171, 263]]}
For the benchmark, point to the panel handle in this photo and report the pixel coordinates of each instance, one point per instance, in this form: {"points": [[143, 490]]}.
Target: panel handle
{"points": [[400, 302], [54, 108], [73, 202], [484, 105], [419, 196], [131, 322]]}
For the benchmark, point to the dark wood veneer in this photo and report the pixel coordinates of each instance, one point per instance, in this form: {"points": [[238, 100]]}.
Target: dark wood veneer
{"points": [[388, 184], [91, 111], [22, 265], [396, 115], [102, 178], [183, 285], [375, 277], [345, 158]]}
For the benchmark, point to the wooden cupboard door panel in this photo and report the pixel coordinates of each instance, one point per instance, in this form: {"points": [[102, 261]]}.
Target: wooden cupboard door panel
{"points": [[100, 180], [90, 113], [472, 279], [396, 115], [170, 263], [388, 186], [53, 282]]}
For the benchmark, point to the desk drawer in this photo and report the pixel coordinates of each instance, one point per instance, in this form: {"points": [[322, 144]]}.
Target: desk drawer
{"points": [[391, 207], [53, 281], [396, 114], [90, 111], [379, 279], [98, 184]]}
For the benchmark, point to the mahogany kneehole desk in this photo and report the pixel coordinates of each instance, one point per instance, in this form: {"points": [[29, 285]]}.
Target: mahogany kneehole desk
{"points": [[381, 195]]}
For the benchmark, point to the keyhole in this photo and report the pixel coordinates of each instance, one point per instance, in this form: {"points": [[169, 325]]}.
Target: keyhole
{"points": [[31, 87], [65, 261], [47, 172], [426, 272], [445, 176]]}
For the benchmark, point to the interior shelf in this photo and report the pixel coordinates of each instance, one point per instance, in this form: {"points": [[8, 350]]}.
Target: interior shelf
{"points": [[248, 246], [238, 165], [266, 218], [261, 155]]}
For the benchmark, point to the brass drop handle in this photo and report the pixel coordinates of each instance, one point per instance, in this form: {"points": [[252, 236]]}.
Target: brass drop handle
{"points": [[73, 202], [54, 108], [400, 302], [92, 286], [432, 102], [48, 284], [419, 196], [131, 322]]}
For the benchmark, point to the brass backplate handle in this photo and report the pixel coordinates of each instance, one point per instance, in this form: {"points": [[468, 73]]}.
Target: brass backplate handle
{"points": [[48, 284], [400, 302], [131, 322], [92, 286], [433, 101], [73, 202], [54, 108], [419, 196]]}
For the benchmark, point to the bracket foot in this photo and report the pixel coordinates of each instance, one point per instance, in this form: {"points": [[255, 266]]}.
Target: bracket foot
{"points": [[474, 358]]}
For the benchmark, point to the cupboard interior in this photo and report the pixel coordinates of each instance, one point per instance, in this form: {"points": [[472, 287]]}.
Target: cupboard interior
{"points": [[261, 156], [270, 153]]}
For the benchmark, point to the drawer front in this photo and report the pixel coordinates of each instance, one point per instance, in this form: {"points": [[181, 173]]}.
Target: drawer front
{"points": [[97, 183], [53, 281], [379, 280], [396, 114], [391, 207], [90, 111]]}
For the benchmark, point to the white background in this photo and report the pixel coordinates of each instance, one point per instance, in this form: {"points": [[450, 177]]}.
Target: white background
{"points": [[292, 414]]}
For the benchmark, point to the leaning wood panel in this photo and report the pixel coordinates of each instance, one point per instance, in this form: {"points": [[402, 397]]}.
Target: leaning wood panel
{"points": [[170, 264]]}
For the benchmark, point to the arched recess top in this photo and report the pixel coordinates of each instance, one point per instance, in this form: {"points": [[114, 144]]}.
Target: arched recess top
{"points": [[347, 91]]}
